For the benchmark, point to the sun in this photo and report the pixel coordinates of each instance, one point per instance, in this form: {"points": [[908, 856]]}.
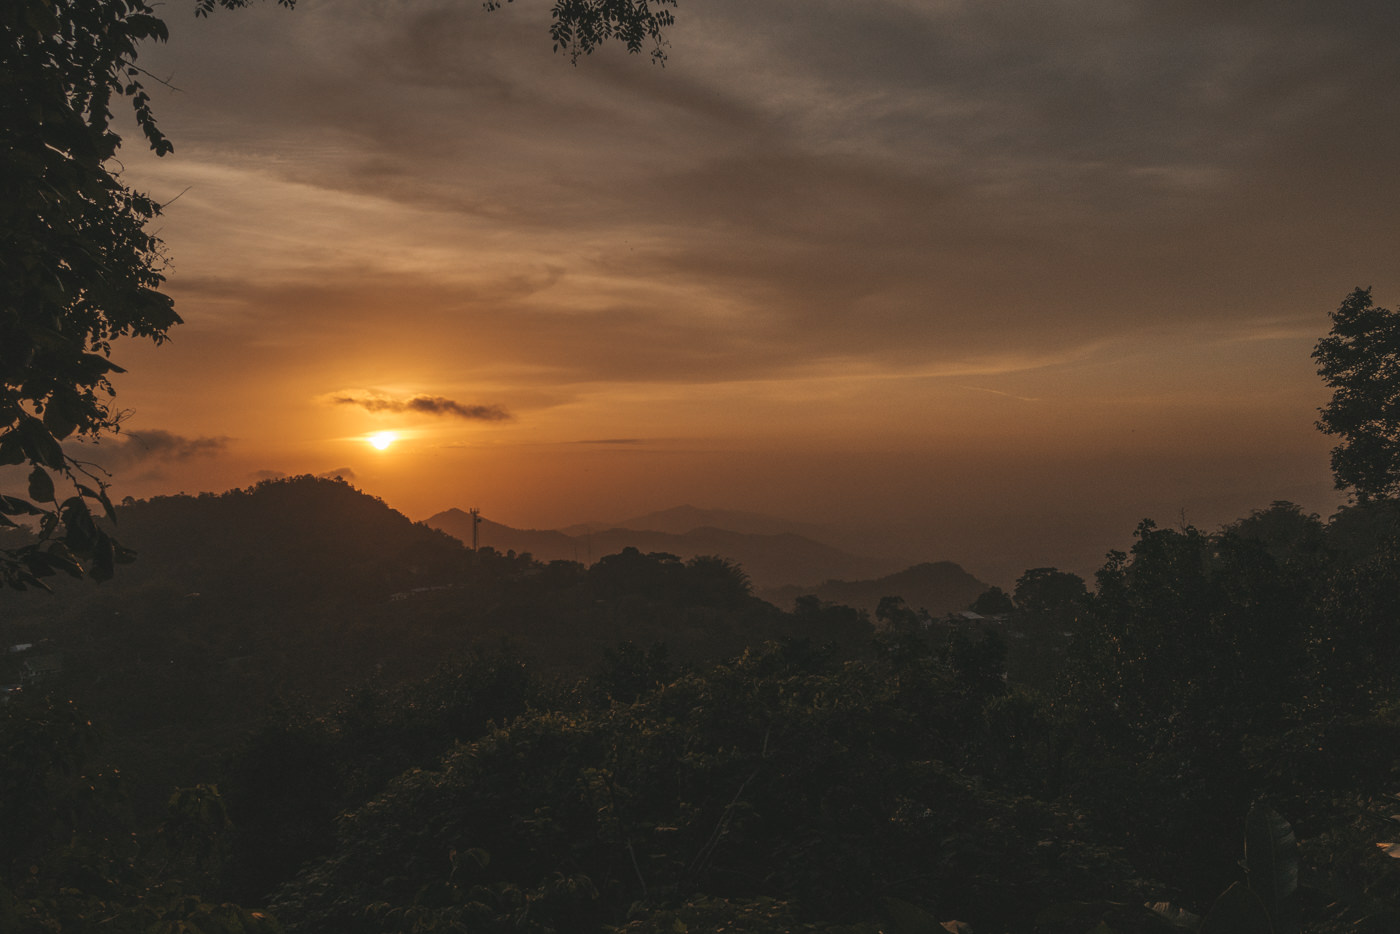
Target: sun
{"points": [[382, 439]]}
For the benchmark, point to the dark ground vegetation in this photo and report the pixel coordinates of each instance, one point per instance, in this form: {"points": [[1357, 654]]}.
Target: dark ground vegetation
{"points": [[356, 750]]}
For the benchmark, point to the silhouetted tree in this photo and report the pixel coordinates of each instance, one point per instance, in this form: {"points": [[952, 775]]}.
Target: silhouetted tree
{"points": [[1049, 598], [716, 581], [978, 661], [1360, 361], [994, 602], [1284, 530], [894, 613], [78, 269]]}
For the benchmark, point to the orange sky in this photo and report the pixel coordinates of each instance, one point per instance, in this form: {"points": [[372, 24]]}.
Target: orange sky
{"points": [[999, 278]]}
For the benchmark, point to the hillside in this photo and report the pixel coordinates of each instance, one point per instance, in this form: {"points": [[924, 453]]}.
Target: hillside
{"points": [[306, 588], [772, 559], [941, 587], [543, 544]]}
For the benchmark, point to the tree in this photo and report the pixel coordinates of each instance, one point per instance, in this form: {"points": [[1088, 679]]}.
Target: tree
{"points": [[993, 602], [580, 26], [1050, 598], [79, 269], [1360, 361], [577, 26], [893, 613]]}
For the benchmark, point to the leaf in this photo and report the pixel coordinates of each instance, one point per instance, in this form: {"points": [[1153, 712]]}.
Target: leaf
{"points": [[1270, 859], [106, 503], [40, 486], [14, 506], [60, 557], [38, 445], [82, 535], [59, 418], [11, 452]]}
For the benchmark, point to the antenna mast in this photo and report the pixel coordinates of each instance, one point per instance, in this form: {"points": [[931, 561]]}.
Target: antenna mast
{"points": [[476, 525]]}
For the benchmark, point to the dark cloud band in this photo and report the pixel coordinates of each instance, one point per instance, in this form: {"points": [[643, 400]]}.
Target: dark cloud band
{"points": [[428, 405], [133, 448]]}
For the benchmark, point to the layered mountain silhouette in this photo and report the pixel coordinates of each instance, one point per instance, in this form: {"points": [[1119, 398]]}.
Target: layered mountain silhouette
{"points": [[306, 587], [771, 552], [939, 587]]}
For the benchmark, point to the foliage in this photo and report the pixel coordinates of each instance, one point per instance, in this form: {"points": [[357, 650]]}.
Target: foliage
{"points": [[892, 612], [293, 775], [78, 270], [993, 602], [783, 782], [1360, 361], [580, 26], [1048, 598], [44, 781], [1195, 644], [1264, 902], [72, 860], [879, 781]]}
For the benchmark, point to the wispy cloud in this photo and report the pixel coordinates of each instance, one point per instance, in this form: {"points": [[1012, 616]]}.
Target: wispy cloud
{"points": [[998, 392], [137, 448], [426, 405]]}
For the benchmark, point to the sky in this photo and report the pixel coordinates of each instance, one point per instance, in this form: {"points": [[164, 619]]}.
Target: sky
{"points": [[980, 281]]}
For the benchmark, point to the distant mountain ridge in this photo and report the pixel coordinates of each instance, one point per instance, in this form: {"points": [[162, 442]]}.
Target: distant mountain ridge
{"points": [[682, 519], [771, 559], [940, 587]]}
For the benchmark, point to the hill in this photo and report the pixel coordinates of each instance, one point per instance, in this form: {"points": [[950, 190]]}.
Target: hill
{"points": [[543, 544], [306, 588], [941, 587], [771, 559]]}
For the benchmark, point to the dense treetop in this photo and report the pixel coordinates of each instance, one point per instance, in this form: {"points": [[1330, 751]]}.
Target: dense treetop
{"points": [[1360, 361]]}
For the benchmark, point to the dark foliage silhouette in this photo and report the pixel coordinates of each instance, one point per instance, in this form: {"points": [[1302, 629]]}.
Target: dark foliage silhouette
{"points": [[1360, 361]]}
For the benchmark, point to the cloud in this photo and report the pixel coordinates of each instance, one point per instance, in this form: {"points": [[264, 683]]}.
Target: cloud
{"points": [[427, 405], [998, 392], [132, 449], [612, 441]]}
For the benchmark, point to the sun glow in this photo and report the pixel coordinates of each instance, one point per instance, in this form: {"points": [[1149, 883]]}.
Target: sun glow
{"points": [[382, 439]]}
